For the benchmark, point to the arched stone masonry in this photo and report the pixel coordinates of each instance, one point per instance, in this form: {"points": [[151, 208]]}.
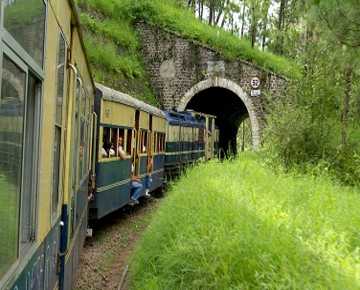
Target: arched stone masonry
{"points": [[236, 89]]}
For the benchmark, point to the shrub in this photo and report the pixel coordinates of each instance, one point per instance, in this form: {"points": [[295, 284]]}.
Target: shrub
{"points": [[238, 225]]}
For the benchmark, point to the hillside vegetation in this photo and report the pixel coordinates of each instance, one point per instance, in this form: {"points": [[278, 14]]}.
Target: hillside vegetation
{"points": [[113, 45], [238, 225]]}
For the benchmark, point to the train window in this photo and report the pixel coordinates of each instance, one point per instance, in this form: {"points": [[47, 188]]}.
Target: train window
{"points": [[81, 124], [201, 135], [144, 147], [25, 21], [129, 141], [121, 143], [58, 122], [154, 142], [28, 199], [11, 147], [159, 143], [113, 142], [106, 145], [163, 142], [60, 79]]}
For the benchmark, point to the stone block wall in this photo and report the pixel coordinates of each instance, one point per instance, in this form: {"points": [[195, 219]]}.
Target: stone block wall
{"points": [[176, 64]]}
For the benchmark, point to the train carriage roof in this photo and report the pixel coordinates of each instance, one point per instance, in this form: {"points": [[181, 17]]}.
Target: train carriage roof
{"points": [[110, 94], [183, 119]]}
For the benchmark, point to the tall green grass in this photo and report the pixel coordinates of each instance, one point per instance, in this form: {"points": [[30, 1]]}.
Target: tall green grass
{"points": [[238, 225], [167, 14]]}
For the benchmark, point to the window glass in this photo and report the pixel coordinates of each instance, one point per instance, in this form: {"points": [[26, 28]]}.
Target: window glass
{"points": [[60, 79], [25, 21], [28, 208], [75, 133], [56, 170], [11, 145]]}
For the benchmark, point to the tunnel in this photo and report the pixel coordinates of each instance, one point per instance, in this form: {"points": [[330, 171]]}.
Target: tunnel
{"points": [[229, 110]]}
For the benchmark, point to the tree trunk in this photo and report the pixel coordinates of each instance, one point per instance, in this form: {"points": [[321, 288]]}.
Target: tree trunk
{"points": [[201, 9], [346, 104], [253, 28], [280, 27], [243, 20]]}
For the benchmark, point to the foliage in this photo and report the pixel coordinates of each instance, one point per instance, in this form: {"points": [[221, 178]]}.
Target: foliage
{"points": [[244, 227], [168, 15], [113, 51], [318, 122]]}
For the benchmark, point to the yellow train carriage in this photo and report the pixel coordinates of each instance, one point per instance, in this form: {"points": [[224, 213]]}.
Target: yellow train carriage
{"points": [[45, 128], [129, 126]]}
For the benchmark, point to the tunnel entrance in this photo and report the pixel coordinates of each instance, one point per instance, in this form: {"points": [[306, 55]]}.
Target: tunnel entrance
{"points": [[229, 110]]}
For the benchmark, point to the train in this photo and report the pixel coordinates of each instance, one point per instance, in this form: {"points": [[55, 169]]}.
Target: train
{"points": [[60, 132]]}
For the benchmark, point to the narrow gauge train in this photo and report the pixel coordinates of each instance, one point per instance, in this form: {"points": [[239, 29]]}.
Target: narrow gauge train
{"points": [[46, 113], [53, 130], [155, 143]]}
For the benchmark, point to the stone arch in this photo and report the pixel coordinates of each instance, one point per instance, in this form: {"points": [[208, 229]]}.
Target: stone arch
{"points": [[218, 82]]}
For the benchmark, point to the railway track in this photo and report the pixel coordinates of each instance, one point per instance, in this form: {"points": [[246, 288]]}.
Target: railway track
{"points": [[105, 258]]}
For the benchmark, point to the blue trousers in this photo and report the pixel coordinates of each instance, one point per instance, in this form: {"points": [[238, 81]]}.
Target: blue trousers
{"points": [[148, 182], [136, 189]]}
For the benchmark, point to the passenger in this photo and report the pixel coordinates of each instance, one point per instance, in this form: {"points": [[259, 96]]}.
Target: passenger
{"points": [[122, 154], [104, 154], [148, 180], [112, 151], [105, 149], [136, 187]]}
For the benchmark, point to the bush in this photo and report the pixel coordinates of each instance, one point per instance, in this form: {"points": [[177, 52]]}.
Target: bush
{"points": [[237, 225]]}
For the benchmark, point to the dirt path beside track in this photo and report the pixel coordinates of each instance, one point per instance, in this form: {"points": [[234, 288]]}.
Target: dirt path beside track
{"points": [[107, 253]]}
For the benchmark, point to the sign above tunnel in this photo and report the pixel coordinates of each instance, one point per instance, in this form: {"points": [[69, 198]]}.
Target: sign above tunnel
{"points": [[255, 93], [255, 82]]}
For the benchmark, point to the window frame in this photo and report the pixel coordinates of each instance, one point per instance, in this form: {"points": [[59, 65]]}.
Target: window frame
{"points": [[7, 51], [11, 42], [62, 127], [125, 131], [17, 54]]}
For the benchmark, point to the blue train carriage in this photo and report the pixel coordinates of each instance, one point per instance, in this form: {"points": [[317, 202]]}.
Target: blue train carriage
{"points": [[211, 134], [137, 129], [45, 128], [185, 143]]}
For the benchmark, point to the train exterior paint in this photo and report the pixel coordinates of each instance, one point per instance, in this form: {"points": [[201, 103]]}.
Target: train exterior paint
{"points": [[56, 139], [45, 133], [191, 136], [141, 129]]}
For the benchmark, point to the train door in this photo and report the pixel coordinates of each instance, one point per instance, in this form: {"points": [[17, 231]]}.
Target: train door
{"points": [[137, 147], [150, 151]]}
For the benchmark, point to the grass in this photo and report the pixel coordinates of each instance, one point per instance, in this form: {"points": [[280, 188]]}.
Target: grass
{"points": [[166, 14], [113, 44], [238, 225], [113, 51], [8, 224]]}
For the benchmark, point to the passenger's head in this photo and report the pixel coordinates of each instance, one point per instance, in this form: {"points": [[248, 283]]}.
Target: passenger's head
{"points": [[121, 141]]}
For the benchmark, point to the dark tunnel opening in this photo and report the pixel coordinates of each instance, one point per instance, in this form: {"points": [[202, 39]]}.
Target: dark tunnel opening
{"points": [[229, 110]]}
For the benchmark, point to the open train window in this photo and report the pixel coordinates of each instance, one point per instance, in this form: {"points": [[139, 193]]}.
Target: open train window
{"points": [[154, 142], [129, 141], [144, 141]]}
